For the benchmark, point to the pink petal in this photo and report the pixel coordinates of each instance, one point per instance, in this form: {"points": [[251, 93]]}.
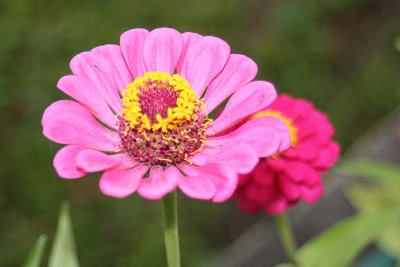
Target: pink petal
{"points": [[197, 186], [159, 183], [301, 108], [188, 39], [122, 183], [327, 156], [307, 150], [246, 101], [224, 179], [283, 103], [244, 179], [259, 194], [322, 134], [292, 152], [277, 164], [312, 177], [245, 204], [240, 157], [132, 49], [88, 95], [67, 122], [276, 205], [295, 171], [203, 61], [114, 57], [288, 188], [311, 194], [162, 50], [97, 69], [263, 176], [95, 161], [257, 133], [252, 192], [305, 131], [283, 131], [65, 164], [316, 128], [238, 71]]}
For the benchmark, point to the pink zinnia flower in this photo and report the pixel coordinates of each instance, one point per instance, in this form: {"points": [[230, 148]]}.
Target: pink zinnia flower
{"points": [[280, 181], [140, 115]]}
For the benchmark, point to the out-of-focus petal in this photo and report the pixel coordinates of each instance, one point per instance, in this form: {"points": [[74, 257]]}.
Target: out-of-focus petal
{"points": [[295, 173], [312, 194], [276, 205], [245, 204], [288, 188], [327, 156]]}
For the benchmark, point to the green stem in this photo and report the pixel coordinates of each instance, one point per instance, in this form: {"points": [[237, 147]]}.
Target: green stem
{"points": [[286, 236], [171, 236]]}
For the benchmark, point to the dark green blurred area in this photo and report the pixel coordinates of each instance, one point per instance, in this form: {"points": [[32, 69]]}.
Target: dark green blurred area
{"points": [[339, 54]]}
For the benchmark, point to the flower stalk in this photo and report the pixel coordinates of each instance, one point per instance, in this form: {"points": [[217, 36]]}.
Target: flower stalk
{"points": [[286, 236], [171, 235]]}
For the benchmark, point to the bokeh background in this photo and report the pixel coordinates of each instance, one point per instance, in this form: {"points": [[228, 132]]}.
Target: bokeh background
{"points": [[339, 54]]}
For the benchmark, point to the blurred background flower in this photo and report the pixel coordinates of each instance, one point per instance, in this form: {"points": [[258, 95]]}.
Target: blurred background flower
{"points": [[339, 54], [280, 181]]}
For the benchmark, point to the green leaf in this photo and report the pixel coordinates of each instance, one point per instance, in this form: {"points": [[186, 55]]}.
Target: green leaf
{"points": [[397, 43], [367, 198], [384, 174], [390, 240], [35, 256], [340, 244], [372, 170], [371, 198], [63, 253]]}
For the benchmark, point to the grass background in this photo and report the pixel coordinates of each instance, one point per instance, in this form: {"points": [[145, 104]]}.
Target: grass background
{"points": [[339, 54]]}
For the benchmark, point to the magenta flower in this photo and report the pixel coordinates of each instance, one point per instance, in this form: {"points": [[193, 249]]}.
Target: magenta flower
{"points": [[140, 115], [280, 181]]}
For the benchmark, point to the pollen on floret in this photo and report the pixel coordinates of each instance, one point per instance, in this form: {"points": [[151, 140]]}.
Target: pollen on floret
{"points": [[163, 121], [288, 122]]}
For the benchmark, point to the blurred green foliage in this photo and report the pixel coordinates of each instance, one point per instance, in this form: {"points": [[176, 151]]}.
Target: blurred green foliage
{"points": [[381, 192], [340, 244], [35, 256], [63, 252], [338, 53]]}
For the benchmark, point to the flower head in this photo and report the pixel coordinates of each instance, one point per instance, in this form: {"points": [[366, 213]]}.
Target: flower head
{"points": [[280, 181], [140, 114]]}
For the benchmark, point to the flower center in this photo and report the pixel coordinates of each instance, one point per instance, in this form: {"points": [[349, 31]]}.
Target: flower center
{"points": [[289, 123], [163, 121]]}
